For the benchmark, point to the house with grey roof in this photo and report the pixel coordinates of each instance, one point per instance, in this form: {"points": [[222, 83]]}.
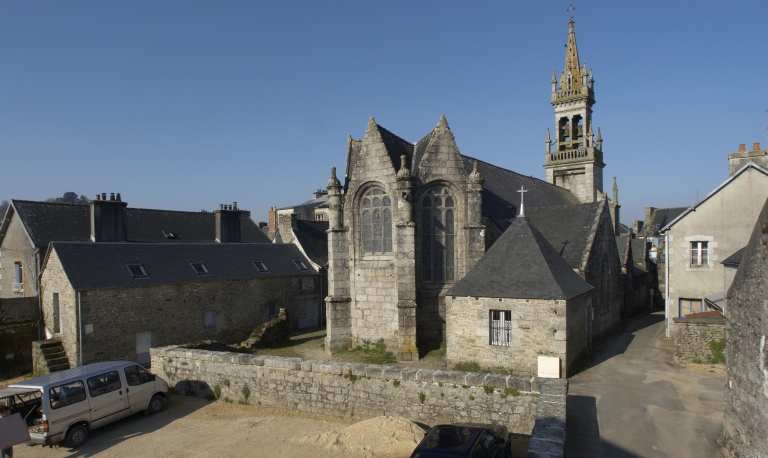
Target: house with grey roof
{"points": [[115, 301], [710, 231], [520, 301], [280, 219], [28, 227]]}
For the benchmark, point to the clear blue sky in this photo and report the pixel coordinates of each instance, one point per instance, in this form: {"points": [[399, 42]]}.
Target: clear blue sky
{"points": [[186, 104]]}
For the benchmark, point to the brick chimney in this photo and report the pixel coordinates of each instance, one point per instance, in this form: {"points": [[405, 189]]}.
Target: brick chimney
{"points": [[228, 223], [637, 226], [108, 218]]}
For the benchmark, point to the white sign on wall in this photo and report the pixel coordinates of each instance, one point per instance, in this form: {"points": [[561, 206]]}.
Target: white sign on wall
{"points": [[549, 367]]}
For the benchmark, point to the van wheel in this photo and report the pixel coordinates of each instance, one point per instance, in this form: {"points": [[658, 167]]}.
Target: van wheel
{"points": [[156, 404], [76, 436]]}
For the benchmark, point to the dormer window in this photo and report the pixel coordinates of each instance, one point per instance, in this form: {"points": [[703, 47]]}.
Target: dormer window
{"points": [[260, 266], [200, 268], [137, 270], [300, 264]]}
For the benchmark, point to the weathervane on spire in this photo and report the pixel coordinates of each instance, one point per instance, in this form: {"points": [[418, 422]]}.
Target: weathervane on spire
{"points": [[522, 196], [571, 9]]}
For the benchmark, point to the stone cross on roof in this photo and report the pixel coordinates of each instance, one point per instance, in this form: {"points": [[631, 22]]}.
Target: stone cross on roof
{"points": [[522, 196]]}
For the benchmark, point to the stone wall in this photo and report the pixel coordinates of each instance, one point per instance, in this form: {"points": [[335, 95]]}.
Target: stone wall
{"points": [[745, 420], [173, 312], [539, 327], [525, 405], [20, 309], [693, 337], [16, 346]]}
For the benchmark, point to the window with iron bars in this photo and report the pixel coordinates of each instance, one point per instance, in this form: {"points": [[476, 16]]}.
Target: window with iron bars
{"points": [[501, 327]]}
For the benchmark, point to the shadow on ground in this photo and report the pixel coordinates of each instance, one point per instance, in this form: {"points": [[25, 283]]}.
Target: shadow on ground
{"points": [[583, 432], [616, 343], [101, 439]]}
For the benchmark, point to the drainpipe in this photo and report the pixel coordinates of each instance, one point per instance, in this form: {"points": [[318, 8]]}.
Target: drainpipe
{"points": [[666, 281], [38, 292], [79, 329]]}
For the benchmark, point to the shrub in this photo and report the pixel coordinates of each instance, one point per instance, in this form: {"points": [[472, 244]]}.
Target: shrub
{"points": [[471, 398], [217, 391], [511, 392], [246, 392], [395, 383], [422, 397], [488, 389], [718, 348]]}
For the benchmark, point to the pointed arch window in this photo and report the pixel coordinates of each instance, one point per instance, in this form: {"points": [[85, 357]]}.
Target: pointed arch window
{"points": [[438, 235], [376, 212]]}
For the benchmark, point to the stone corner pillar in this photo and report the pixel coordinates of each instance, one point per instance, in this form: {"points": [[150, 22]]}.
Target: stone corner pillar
{"points": [[405, 267], [474, 230]]}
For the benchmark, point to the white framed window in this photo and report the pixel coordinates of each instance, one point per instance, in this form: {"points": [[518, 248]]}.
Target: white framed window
{"points": [[319, 217], [18, 277], [209, 319], [500, 327], [273, 309], [699, 253]]}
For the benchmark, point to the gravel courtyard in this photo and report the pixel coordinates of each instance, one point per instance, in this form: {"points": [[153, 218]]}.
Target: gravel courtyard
{"points": [[193, 427]]}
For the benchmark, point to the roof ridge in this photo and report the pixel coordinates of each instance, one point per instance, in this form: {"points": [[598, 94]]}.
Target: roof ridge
{"points": [[48, 203], [512, 171]]}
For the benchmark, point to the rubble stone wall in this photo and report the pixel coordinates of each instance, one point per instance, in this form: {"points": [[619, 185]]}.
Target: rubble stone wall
{"points": [[693, 337], [360, 391]]}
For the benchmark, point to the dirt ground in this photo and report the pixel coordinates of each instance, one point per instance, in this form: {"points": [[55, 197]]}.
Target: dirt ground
{"points": [[194, 427]]}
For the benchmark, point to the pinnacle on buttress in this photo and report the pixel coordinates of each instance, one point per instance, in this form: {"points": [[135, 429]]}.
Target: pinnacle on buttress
{"points": [[548, 141], [404, 173], [333, 182], [599, 140], [475, 176], [371, 126], [615, 191]]}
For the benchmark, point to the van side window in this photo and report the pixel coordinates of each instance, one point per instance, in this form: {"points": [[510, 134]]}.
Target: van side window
{"points": [[137, 375], [64, 395], [104, 383]]}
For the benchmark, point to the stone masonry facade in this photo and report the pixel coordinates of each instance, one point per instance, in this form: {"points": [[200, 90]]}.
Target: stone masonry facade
{"points": [[174, 312], [525, 405], [539, 328], [693, 337]]}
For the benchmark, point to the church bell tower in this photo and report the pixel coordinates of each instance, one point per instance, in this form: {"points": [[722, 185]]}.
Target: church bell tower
{"points": [[577, 161]]}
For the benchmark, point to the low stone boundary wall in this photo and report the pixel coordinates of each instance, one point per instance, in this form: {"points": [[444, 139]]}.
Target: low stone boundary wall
{"points": [[693, 337], [525, 405]]}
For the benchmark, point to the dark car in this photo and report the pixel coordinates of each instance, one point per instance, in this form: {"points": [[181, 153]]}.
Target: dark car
{"points": [[467, 439]]}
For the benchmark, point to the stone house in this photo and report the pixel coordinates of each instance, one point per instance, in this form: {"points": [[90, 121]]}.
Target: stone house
{"points": [[113, 301], [745, 422], [522, 300], [411, 219], [28, 227], [280, 219], [708, 232], [311, 238], [637, 277]]}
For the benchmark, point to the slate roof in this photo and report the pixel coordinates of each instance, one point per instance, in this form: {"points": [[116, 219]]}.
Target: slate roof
{"points": [[396, 147], [314, 203], [621, 245], [638, 254], [313, 238], [734, 260], [53, 222], [500, 196], [661, 217], [521, 265], [103, 265], [566, 227]]}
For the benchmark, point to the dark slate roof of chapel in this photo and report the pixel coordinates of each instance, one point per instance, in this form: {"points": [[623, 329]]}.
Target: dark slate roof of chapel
{"points": [[103, 265], [661, 217], [500, 197], [313, 238], [521, 265], [734, 260], [566, 227], [396, 147], [621, 245], [639, 253], [53, 222]]}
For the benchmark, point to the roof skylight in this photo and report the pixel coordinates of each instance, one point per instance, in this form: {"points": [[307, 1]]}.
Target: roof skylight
{"points": [[137, 270], [260, 266], [300, 264], [200, 268]]}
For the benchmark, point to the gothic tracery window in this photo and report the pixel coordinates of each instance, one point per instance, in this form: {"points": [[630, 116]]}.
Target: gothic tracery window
{"points": [[438, 220], [377, 222]]}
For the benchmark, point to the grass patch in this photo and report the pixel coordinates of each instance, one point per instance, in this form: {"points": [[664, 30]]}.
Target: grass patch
{"points": [[471, 398], [488, 389], [217, 391], [718, 349], [510, 392], [242, 403], [696, 361], [475, 367], [395, 383], [422, 397], [246, 392], [226, 382], [350, 376], [467, 367], [465, 386], [376, 354]]}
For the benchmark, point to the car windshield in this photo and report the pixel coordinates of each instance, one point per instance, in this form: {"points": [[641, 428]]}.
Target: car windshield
{"points": [[447, 437]]}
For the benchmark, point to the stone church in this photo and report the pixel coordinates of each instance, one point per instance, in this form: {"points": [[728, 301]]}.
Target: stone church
{"points": [[410, 220]]}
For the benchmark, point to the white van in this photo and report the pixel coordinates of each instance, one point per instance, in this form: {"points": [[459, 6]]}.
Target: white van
{"points": [[66, 405]]}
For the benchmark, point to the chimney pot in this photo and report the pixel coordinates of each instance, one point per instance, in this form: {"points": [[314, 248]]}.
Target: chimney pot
{"points": [[103, 196], [756, 146], [98, 197], [119, 199], [742, 147], [112, 196]]}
